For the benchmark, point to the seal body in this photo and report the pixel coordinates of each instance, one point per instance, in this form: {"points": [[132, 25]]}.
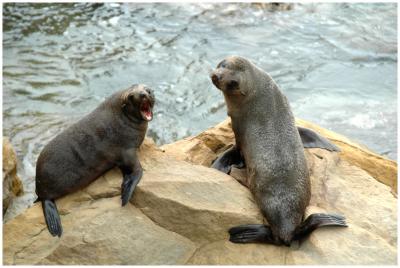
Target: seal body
{"points": [[271, 149], [275, 161], [107, 137]]}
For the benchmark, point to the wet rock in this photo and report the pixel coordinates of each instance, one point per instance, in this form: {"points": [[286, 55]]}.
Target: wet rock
{"points": [[181, 211], [12, 185]]}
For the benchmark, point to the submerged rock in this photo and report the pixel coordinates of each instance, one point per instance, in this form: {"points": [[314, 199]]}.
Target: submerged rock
{"points": [[181, 211], [12, 185]]}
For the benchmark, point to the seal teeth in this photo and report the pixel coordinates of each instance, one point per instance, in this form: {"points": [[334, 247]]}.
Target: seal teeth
{"points": [[145, 110]]}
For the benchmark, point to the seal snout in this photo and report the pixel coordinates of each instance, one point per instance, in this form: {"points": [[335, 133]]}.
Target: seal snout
{"points": [[215, 78], [224, 81]]}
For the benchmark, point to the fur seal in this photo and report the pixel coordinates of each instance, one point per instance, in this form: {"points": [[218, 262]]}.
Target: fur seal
{"points": [[107, 137], [270, 146]]}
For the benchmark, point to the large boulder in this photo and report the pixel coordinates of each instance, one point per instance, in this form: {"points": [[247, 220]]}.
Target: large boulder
{"points": [[181, 211], [12, 185], [205, 147]]}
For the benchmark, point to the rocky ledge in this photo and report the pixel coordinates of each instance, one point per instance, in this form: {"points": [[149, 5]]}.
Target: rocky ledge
{"points": [[12, 185], [181, 211]]}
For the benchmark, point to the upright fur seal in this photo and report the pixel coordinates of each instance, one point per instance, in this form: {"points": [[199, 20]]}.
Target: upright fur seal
{"points": [[269, 145], [107, 137]]}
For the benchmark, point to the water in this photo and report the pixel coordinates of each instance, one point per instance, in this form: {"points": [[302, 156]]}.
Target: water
{"points": [[337, 63]]}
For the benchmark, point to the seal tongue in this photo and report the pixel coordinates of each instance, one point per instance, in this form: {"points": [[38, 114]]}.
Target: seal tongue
{"points": [[146, 112]]}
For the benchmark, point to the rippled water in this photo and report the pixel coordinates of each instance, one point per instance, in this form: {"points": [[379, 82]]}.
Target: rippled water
{"points": [[335, 62]]}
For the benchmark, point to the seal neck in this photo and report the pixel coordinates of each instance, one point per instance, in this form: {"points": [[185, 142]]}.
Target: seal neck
{"points": [[263, 99]]}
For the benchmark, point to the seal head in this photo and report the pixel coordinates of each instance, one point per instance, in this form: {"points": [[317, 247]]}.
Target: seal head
{"points": [[138, 103], [230, 76]]}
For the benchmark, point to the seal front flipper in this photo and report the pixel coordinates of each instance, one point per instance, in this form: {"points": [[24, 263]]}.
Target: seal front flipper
{"points": [[128, 185], [227, 159], [315, 221], [251, 233], [132, 172], [311, 139], [52, 217]]}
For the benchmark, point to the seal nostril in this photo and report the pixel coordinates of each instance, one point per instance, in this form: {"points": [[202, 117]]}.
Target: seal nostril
{"points": [[142, 95], [215, 78]]}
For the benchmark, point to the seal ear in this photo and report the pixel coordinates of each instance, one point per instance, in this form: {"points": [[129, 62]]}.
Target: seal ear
{"points": [[124, 99]]}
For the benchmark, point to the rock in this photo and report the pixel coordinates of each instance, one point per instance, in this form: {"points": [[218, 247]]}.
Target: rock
{"points": [[96, 232], [181, 211], [341, 183], [205, 147], [12, 185], [379, 167]]}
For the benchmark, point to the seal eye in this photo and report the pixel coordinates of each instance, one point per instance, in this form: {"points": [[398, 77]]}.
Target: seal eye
{"points": [[222, 64], [131, 98], [148, 90], [232, 85]]}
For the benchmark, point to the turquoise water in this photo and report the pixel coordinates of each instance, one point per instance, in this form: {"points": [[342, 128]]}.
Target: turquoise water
{"points": [[337, 63]]}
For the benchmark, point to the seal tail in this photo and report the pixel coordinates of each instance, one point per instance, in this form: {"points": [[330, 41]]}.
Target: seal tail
{"points": [[251, 233], [317, 220], [52, 217]]}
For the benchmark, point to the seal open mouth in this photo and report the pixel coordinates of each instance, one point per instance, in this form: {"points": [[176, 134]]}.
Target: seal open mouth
{"points": [[146, 110]]}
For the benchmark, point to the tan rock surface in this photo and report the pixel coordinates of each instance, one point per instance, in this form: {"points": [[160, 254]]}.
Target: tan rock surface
{"points": [[97, 232], [379, 167], [341, 183], [181, 212], [12, 185], [205, 147]]}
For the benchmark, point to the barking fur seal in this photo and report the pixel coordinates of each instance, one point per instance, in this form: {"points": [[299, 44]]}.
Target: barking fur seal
{"points": [[107, 137]]}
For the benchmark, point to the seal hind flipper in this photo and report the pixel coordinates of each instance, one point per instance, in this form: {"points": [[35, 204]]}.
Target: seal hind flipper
{"points": [[251, 233], [227, 159], [311, 139], [317, 220], [52, 217]]}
